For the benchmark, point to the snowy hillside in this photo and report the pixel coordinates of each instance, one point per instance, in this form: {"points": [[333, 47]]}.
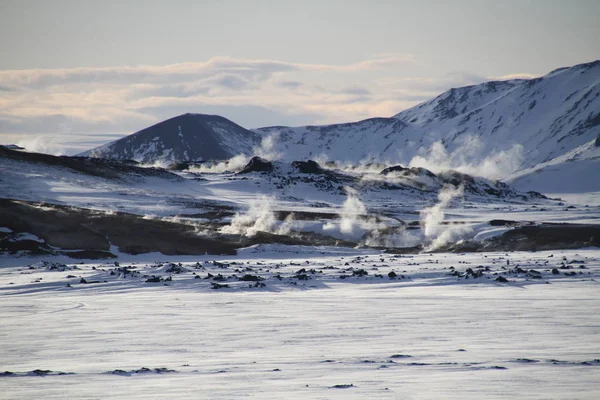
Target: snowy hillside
{"points": [[495, 129], [547, 116], [535, 120], [188, 137], [576, 170], [371, 140]]}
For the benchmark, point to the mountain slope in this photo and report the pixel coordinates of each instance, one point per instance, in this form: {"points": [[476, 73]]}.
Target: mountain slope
{"points": [[182, 138], [573, 172], [542, 119], [375, 139], [545, 117], [548, 116]]}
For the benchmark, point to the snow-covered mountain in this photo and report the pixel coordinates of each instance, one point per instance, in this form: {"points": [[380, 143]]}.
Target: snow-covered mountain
{"points": [[548, 116], [545, 117], [534, 121], [188, 137]]}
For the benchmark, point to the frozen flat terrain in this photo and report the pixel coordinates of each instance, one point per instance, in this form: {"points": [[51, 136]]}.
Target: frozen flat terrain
{"points": [[427, 333], [398, 267]]}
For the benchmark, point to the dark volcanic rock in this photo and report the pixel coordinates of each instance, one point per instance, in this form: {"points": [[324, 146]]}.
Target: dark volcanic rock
{"points": [[308, 167], [395, 168], [32, 247], [251, 278], [503, 222], [414, 171], [215, 285], [545, 236], [550, 236], [342, 386], [91, 255], [257, 164], [360, 272], [457, 178]]}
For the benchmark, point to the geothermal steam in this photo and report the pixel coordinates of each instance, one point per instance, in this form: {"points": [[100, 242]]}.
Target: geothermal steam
{"points": [[435, 232], [259, 217]]}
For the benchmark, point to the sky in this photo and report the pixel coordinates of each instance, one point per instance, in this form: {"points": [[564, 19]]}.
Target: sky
{"points": [[79, 73]]}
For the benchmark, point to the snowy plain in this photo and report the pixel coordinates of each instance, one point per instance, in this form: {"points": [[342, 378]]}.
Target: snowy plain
{"points": [[425, 334]]}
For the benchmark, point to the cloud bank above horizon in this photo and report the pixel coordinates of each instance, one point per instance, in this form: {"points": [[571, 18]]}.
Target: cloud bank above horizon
{"points": [[45, 109]]}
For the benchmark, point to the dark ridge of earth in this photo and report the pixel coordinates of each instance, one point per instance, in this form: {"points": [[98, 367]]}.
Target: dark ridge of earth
{"points": [[70, 228], [82, 233], [545, 236]]}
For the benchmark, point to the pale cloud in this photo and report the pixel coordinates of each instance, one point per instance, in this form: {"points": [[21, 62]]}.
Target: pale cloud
{"points": [[253, 93], [357, 91], [256, 70], [523, 75], [290, 84]]}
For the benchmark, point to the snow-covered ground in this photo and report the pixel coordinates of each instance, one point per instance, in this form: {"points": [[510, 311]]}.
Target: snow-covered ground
{"points": [[301, 322], [433, 331]]}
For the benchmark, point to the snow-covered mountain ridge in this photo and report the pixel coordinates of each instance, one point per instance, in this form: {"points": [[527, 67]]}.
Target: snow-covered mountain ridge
{"points": [[542, 118], [510, 126], [547, 116]]}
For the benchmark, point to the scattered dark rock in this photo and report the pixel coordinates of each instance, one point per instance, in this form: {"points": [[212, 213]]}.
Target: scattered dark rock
{"points": [[308, 167], [257, 164], [527, 360], [142, 370], [395, 168], [119, 372], [475, 274], [163, 370], [215, 285], [41, 372], [501, 279], [414, 171], [251, 278], [175, 269], [343, 386], [400, 356]]}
